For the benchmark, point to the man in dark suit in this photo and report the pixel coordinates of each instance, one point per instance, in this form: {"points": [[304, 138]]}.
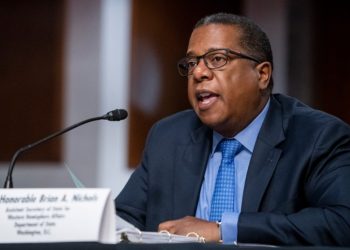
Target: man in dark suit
{"points": [[292, 175]]}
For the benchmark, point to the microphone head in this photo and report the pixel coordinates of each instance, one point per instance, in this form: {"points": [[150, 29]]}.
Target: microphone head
{"points": [[116, 115]]}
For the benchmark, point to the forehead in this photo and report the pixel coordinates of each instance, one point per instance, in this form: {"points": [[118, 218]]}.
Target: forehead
{"points": [[213, 36]]}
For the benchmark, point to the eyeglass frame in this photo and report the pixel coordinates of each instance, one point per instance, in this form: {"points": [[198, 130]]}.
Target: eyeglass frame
{"points": [[228, 51]]}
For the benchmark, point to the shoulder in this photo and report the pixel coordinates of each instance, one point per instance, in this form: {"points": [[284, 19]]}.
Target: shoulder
{"points": [[184, 120], [186, 117], [296, 111], [176, 126], [300, 119]]}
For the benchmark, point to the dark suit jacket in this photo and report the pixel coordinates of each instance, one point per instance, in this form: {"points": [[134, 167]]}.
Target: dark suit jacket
{"points": [[297, 185]]}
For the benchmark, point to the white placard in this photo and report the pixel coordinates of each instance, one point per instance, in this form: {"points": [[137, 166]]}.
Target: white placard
{"points": [[57, 215]]}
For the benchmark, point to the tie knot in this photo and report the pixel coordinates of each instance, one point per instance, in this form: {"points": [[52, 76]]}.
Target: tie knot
{"points": [[229, 148]]}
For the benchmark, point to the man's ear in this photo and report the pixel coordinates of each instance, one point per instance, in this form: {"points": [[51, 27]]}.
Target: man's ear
{"points": [[265, 71]]}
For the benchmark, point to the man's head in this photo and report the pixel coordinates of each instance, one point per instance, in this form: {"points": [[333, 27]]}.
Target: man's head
{"points": [[229, 68], [253, 39]]}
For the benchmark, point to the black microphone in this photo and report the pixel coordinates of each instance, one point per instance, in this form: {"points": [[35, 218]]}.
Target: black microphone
{"points": [[114, 115]]}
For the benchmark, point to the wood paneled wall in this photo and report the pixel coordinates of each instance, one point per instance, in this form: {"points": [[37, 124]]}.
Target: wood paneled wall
{"points": [[160, 32], [30, 76], [331, 48]]}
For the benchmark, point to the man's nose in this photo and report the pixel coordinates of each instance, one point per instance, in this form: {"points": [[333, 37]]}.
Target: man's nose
{"points": [[201, 71]]}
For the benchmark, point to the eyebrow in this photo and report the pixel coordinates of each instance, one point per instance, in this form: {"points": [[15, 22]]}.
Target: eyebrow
{"points": [[191, 54]]}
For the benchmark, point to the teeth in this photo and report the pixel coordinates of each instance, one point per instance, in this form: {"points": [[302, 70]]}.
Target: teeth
{"points": [[203, 95]]}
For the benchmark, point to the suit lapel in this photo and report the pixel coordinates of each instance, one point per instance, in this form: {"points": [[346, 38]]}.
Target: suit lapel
{"points": [[190, 164], [264, 159]]}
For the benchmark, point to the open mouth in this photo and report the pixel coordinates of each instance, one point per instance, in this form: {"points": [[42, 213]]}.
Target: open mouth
{"points": [[206, 99]]}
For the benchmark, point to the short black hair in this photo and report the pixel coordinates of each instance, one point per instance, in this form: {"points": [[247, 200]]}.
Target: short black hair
{"points": [[253, 39]]}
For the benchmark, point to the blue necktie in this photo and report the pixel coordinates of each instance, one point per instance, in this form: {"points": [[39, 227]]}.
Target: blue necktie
{"points": [[223, 199]]}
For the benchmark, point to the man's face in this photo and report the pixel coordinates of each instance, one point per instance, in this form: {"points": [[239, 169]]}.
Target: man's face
{"points": [[226, 99]]}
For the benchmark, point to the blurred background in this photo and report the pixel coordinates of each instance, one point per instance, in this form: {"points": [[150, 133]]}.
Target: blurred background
{"points": [[63, 61]]}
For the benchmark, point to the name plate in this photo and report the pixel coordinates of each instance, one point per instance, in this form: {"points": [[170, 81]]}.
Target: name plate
{"points": [[57, 215]]}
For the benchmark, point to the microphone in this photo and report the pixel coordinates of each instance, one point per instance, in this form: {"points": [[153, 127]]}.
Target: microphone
{"points": [[114, 115]]}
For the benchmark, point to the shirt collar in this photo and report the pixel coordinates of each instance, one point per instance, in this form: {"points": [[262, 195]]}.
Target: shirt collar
{"points": [[247, 137]]}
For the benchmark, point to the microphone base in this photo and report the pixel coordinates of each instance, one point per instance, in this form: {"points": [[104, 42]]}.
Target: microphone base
{"points": [[8, 183]]}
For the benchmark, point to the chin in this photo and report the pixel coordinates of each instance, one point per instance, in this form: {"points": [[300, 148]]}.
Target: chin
{"points": [[211, 120]]}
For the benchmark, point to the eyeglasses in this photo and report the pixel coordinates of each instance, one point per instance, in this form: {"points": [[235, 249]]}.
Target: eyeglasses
{"points": [[213, 60]]}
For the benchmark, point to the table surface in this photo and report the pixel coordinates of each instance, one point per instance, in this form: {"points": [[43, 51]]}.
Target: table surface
{"points": [[137, 246]]}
